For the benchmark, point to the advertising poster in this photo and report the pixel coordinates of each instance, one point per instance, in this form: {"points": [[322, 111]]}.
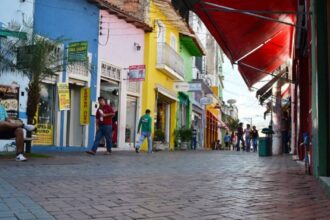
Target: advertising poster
{"points": [[44, 116], [10, 100], [136, 72], [84, 106], [63, 96]]}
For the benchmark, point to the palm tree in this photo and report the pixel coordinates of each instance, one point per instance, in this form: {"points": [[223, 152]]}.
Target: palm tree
{"points": [[37, 58]]}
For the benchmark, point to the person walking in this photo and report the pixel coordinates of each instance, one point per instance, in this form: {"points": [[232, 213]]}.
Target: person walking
{"points": [[193, 137], [233, 140], [104, 116], [13, 129], [239, 136], [227, 140], [255, 137], [145, 125], [247, 133]]}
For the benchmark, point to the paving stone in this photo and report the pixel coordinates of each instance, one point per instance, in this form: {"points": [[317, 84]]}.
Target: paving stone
{"points": [[166, 185]]}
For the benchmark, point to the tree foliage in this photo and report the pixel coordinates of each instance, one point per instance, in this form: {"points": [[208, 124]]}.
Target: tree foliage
{"points": [[35, 57], [233, 123]]}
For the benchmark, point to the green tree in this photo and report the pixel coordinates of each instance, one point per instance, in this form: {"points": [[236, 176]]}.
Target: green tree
{"points": [[33, 56], [232, 123]]}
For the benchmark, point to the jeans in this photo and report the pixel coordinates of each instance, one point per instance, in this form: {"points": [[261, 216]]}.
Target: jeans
{"points": [[255, 144], [142, 137], [247, 144], [194, 143], [239, 138], [104, 131]]}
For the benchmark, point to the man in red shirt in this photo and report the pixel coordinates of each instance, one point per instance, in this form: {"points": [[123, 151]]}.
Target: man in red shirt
{"points": [[104, 116]]}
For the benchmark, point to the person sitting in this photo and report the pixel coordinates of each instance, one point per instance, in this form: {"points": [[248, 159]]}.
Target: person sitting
{"points": [[13, 129]]}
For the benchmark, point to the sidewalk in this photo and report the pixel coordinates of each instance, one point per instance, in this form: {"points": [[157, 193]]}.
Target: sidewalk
{"points": [[164, 185]]}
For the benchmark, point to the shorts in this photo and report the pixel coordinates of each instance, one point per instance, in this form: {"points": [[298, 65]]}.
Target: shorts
{"points": [[7, 134]]}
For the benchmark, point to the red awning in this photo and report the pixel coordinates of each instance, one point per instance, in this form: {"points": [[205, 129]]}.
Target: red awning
{"points": [[255, 34]]}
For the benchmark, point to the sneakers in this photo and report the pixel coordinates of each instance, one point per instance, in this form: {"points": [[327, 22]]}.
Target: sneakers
{"points": [[21, 157], [90, 152], [29, 127]]}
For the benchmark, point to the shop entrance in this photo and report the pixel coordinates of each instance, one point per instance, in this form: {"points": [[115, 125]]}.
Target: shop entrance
{"points": [[110, 91], [75, 134], [131, 120], [162, 116]]}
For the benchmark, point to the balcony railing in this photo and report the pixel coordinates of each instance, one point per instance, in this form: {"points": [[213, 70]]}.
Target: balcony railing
{"points": [[170, 62]]}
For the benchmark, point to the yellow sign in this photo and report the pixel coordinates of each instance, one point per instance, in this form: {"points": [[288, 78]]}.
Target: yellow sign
{"points": [[84, 106], [44, 134], [63, 96]]}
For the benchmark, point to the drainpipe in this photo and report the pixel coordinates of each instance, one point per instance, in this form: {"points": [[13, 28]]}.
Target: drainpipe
{"points": [[276, 118]]}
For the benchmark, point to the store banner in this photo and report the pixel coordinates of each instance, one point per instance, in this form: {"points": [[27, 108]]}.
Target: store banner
{"points": [[10, 100], [63, 96], [77, 51], [84, 106]]}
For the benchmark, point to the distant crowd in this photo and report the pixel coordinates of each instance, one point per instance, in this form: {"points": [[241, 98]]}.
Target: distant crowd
{"points": [[241, 140]]}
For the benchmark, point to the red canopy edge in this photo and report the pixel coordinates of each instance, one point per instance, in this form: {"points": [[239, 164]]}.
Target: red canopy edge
{"points": [[260, 43], [267, 58]]}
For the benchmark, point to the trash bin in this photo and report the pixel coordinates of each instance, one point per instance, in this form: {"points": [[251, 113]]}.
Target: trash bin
{"points": [[265, 143], [264, 147]]}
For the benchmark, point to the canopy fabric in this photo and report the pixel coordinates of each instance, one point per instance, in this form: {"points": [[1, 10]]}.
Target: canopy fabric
{"points": [[255, 34]]}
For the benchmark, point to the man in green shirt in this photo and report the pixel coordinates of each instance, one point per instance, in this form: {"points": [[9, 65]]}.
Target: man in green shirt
{"points": [[145, 123]]}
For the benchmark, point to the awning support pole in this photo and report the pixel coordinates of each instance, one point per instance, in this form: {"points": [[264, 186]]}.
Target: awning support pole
{"points": [[260, 70]]}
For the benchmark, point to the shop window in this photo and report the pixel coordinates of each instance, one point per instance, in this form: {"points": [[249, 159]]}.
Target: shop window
{"points": [[45, 116]]}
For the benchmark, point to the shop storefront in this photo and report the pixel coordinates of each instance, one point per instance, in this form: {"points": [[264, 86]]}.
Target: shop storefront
{"points": [[197, 121], [110, 91], [131, 120], [164, 111], [211, 130], [45, 118], [183, 111]]}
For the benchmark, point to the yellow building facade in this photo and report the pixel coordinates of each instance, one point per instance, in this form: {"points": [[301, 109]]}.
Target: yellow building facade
{"points": [[164, 67]]}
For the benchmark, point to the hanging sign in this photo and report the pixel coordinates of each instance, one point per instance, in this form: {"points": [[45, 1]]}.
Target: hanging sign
{"points": [[206, 101], [63, 96], [77, 51], [84, 106], [187, 87], [136, 72]]}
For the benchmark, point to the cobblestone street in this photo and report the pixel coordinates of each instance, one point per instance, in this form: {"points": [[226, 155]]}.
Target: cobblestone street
{"points": [[164, 185]]}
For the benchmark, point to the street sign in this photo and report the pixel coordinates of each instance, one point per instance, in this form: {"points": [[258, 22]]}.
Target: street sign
{"points": [[136, 72], [206, 100], [77, 51], [187, 87]]}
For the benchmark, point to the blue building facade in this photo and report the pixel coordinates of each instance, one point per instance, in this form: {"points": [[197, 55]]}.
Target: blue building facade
{"points": [[72, 21]]}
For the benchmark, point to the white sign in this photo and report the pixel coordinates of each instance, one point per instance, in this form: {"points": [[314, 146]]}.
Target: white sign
{"points": [[187, 87], [136, 72], [206, 100]]}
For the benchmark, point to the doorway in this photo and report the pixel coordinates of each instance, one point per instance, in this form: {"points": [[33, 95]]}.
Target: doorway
{"points": [[162, 118], [75, 134]]}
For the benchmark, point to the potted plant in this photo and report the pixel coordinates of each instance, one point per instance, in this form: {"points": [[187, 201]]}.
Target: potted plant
{"points": [[159, 139], [185, 136]]}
